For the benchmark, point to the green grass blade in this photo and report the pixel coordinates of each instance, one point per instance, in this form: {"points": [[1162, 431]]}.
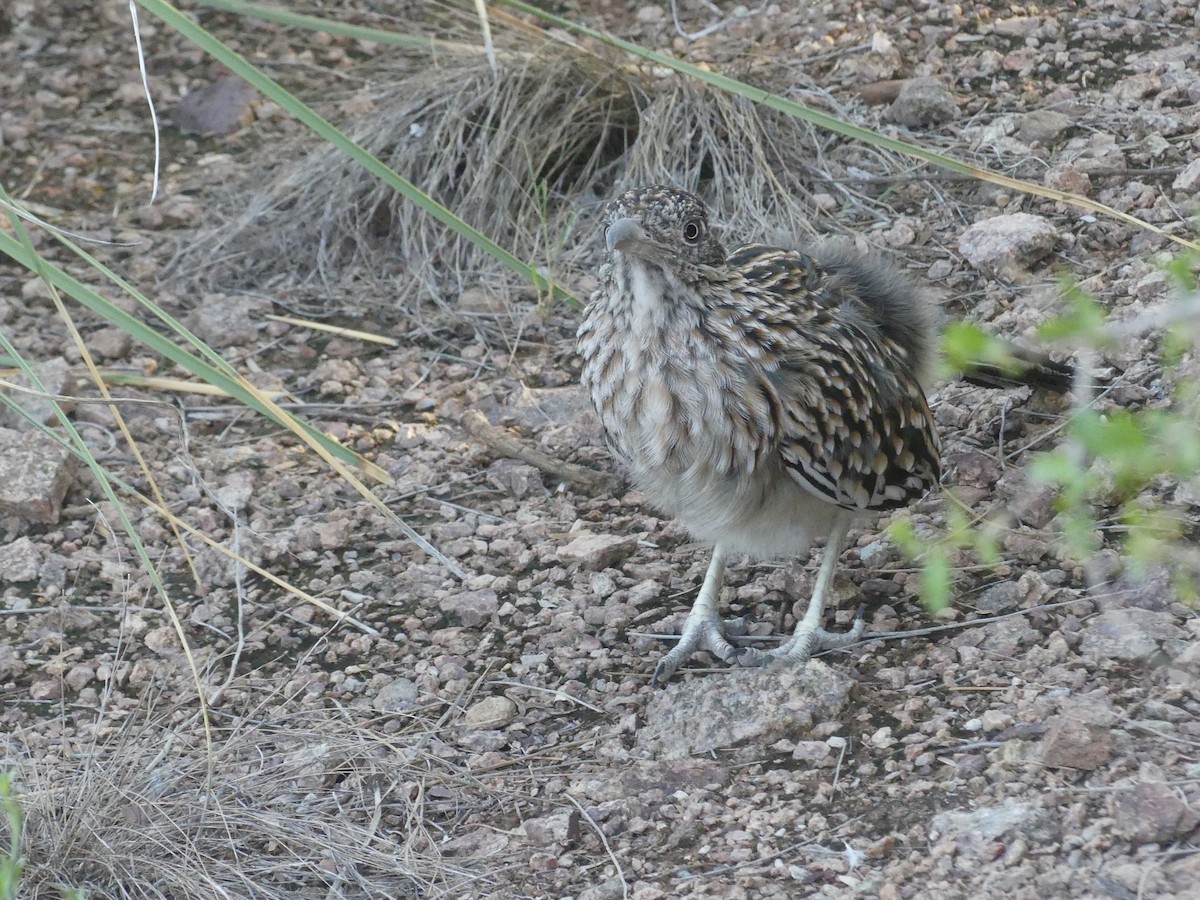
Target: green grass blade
{"points": [[215, 371], [329, 26], [222, 377], [24, 245]]}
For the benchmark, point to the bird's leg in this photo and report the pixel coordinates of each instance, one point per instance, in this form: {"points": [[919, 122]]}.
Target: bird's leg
{"points": [[703, 629], [809, 636]]}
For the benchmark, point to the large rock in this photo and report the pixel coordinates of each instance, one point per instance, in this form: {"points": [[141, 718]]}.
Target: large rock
{"points": [[396, 696], [977, 832], [1005, 241], [548, 407], [922, 102], [1136, 635], [35, 472], [490, 712], [20, 561], [597, 551], [472, 608], [54, 377], [221, 320], [1042, 125], [1152, 812], [218, 108], [748, 707], [1073, 744], [1188, 181]]}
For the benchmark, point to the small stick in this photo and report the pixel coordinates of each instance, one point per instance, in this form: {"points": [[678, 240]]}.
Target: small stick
{"points": [[505, 444]]}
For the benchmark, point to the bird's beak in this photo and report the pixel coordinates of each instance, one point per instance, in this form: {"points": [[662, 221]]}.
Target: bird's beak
{"points": [[623, 234]]}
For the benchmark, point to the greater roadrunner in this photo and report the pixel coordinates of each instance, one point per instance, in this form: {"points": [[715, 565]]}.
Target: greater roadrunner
{"points": [[764, 397]]}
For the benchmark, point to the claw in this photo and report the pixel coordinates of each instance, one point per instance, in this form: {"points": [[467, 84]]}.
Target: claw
{"points": [[699, 633], [703, 628], [806, 641]]}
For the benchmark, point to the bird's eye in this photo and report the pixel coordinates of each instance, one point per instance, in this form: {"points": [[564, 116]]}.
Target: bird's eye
{"points": [[692, 231]]}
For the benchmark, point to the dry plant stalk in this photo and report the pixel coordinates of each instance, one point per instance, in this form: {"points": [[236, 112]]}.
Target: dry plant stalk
{"points": [[509, 446]]}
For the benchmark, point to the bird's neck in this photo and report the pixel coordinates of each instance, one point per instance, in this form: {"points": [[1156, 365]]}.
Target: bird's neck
{"points": [[653, 296]]}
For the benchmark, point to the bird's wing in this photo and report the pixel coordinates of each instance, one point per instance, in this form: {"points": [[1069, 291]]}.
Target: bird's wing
{"points": [[854, 425], [856, 434]]}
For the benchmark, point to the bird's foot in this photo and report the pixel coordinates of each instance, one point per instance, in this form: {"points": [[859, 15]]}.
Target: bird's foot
{"points": [[701, 631], [807, 639]]}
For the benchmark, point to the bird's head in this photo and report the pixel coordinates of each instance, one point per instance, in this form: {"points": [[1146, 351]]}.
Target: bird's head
{"points": [[662, 225]]}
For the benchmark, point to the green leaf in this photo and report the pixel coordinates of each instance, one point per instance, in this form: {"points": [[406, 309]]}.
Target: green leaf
{"points": [[966, 347], [1054, 468], [1083, 322], [987, 543], [1184, 268], [901, 531], [936, 579]]}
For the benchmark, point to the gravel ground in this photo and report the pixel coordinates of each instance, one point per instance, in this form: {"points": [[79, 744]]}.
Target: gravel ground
{"points": [[496, 735]]}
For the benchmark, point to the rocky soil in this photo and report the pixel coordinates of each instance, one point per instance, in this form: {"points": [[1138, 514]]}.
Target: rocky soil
{"points": [[495, 734]]}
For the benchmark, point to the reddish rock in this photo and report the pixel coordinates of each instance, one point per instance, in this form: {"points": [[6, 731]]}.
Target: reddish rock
{"points": [[1070, 743]]}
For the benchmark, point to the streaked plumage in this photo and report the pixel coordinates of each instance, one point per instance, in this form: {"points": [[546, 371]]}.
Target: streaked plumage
{"points": [[763, 396]]}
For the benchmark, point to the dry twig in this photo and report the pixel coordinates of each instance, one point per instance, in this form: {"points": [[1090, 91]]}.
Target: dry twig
{"points": [[501, 441]]}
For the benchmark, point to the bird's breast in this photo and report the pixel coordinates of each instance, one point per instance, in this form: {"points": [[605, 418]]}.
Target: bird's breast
{"points": [[678, 408]]}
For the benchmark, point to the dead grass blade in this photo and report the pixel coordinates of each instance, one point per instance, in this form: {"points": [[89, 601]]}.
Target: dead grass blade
{"points": [[304, 802], [348, 333], [339, 458]]}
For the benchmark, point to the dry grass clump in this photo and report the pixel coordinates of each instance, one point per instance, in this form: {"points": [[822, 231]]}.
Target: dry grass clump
{"points": [[307, 803], [525, 155]]}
